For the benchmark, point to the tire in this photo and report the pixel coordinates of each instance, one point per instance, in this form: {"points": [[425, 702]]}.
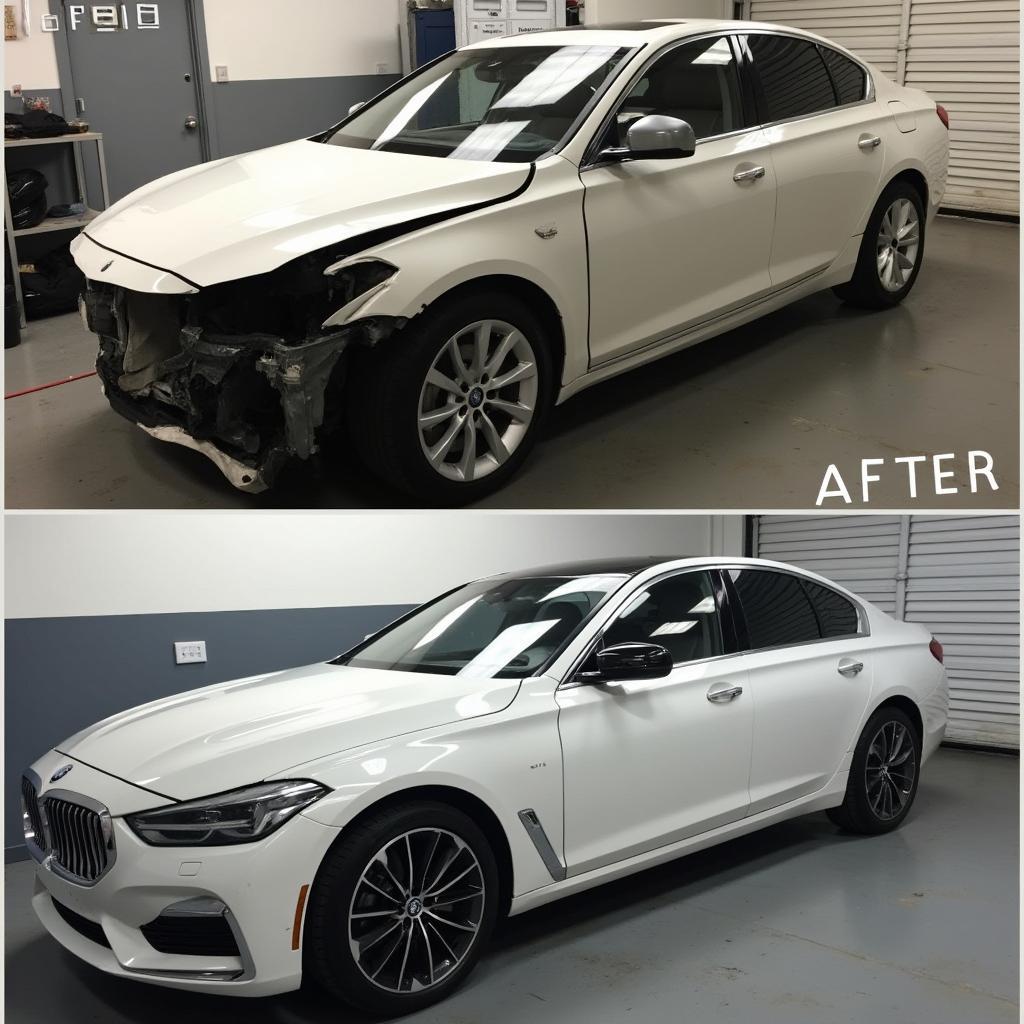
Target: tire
{"points": [[867, 289], [861, 810], [341, 890], [389, 392]]}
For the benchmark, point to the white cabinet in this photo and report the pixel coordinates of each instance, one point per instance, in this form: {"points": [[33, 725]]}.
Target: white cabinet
{"points": [[476, 20]]}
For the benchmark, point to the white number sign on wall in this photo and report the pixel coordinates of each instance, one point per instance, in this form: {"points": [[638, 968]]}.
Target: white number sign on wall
{"points": [[107, 17]]}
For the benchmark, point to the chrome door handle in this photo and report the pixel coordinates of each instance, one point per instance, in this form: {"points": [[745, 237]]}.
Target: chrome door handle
{"points": [[751, 174], [867, 142], [725, 695], [191, 123], [850, 668]]}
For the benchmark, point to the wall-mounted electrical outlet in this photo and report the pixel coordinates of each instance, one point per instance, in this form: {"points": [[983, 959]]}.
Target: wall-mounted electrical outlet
{"points": [[382, 68], [16, 91], [222, 72], [189, 652]]}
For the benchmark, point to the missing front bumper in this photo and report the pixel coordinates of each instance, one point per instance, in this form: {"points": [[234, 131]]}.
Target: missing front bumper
{"points": [[247, 401]]}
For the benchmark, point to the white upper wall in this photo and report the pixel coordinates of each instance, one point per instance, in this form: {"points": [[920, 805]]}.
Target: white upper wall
{"points": [[608, 12], [32, 62], [266, 39], [139, 562]]}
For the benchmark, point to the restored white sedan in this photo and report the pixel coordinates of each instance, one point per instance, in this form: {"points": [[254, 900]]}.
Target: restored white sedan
{"points": [[521, 738], [509, 225]]}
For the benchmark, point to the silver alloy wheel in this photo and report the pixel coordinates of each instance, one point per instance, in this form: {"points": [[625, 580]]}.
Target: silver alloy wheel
{"points": [[478, 400], [416, 910], [899, 243], [890, 770]]}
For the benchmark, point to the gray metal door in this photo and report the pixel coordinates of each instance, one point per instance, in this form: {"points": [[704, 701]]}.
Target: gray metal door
{"points": [[137, 85]]}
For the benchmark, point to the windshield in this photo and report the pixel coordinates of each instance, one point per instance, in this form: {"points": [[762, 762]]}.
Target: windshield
{"points": [[504, 628], [500, 104]]}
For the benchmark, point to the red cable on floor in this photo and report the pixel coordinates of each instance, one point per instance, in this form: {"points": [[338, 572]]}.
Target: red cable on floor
{"points": [[52, 384]]}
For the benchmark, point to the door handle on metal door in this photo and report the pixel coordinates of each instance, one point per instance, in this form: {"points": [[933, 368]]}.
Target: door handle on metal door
{"points": [[850, 668], [750, 174], [724, 695], [191, 123], [867, 142]]}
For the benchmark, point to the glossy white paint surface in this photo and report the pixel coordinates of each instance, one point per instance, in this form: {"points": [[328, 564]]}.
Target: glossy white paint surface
{"points": [[637, 772], [649, 257]]}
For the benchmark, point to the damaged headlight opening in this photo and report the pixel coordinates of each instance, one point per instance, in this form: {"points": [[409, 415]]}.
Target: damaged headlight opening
{"points": [[252, 367], [241, 816]]}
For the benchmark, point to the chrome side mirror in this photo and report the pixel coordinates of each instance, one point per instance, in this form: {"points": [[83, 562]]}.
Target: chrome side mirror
{"points": [[659, 137]]}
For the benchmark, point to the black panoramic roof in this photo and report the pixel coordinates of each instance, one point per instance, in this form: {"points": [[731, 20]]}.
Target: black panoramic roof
{"points": [[624, 26], [623, 565]]}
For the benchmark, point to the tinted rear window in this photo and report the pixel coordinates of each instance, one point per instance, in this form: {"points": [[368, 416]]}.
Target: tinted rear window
{"points": [[848, 77], [776, 607], [793, 76], [836, 615]]}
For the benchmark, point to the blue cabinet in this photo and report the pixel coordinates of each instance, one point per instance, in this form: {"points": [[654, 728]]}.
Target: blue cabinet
{"points": [[433, 34]]}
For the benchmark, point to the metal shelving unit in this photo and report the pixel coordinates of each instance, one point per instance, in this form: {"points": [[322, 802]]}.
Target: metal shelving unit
{"points": [[53, 223]]}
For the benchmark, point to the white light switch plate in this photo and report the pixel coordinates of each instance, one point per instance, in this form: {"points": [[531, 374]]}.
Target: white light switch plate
{"points": [[189, 652], [222, 72]]}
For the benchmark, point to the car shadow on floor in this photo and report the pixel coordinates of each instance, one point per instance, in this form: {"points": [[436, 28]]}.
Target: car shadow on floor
{"points": [[543, 932]]}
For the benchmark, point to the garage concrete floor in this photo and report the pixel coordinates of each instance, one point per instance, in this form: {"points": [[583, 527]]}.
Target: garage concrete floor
{"points": [[796, 924], [755, 416]]}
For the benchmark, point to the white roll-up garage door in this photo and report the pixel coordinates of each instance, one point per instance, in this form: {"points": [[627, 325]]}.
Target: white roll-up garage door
{"points": [[964, 53], [959, 576]]}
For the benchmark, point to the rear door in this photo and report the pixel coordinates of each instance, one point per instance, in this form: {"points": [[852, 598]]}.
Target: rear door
{"points": [[809, 674], [828, 145]]}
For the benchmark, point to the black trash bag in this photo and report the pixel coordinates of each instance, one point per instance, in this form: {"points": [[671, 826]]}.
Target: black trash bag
{"points": [[34, 124], [27, 192], [54, 286]]}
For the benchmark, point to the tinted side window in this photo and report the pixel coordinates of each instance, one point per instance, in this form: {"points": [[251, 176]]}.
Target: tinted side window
{"points": [[776, 608], [696, 82], [836, 615], [793, 76], [850, 81], [679, 613]]}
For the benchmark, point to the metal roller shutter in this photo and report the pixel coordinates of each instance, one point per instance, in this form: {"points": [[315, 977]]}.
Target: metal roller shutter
{"points": [[871, 30], [964, 584], [964, 53], [959, 576], [859, 552]]}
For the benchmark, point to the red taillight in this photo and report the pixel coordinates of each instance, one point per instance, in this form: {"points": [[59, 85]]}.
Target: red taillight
{"points": [[936, 648], [943, 114]]}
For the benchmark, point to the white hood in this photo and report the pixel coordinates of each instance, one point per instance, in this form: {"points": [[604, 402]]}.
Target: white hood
{"points": [[250, 214], [236, 733]]}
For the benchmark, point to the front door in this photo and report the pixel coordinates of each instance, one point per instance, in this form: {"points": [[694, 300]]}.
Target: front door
{"points": [[649, 763], [676, 242], [134, 80]]}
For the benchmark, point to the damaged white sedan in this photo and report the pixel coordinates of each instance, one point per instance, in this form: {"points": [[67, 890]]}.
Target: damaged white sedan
{"points": [[513, 223]]}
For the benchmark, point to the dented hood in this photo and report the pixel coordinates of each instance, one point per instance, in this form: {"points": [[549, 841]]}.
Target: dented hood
{"points": [[233, 734], [250, 214]]}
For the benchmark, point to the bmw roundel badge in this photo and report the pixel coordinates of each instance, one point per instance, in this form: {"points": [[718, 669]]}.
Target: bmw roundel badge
{"points": [[61, 772]]}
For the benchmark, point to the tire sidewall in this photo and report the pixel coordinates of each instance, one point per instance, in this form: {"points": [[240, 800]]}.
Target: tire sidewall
{"points": [[331, 900], [859, 805], [429, 337]]}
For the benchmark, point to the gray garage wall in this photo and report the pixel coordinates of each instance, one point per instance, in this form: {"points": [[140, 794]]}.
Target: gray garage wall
{"points": [[62, 674]]}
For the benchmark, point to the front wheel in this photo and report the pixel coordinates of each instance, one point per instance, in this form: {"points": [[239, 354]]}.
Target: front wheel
{"points": [[402, 909], [883, 775], [449, 408], [890, 252]]}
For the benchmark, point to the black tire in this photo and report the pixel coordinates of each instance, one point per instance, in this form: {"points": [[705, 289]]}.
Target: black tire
{"points": [[858, 811], [865, 288], [384, 396], [328, 957]]}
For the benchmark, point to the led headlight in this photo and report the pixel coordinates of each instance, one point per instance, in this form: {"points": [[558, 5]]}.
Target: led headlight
{"points": [[241, 816]]}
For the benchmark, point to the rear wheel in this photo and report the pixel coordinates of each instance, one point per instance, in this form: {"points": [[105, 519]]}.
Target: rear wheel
{"points": [[883, 775], [402, 909], [890, 251]]}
